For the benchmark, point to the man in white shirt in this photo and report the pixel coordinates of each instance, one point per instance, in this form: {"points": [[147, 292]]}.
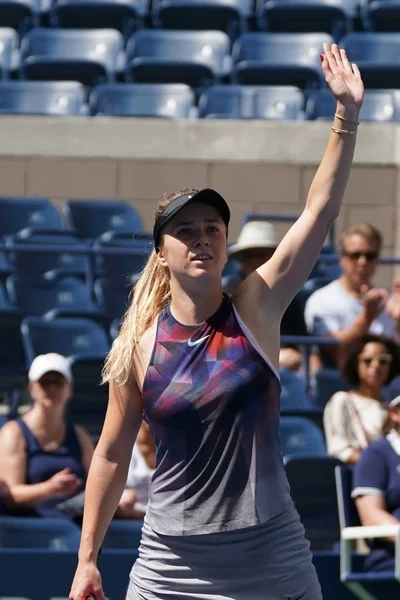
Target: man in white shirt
{"points": [[350, 305]]}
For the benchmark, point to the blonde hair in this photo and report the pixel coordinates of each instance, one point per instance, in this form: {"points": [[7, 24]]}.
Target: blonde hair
{"points": [[150, 295], [366, 230]]}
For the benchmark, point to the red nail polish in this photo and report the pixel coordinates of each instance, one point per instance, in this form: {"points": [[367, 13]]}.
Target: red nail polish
{"points": [[321, 57]]}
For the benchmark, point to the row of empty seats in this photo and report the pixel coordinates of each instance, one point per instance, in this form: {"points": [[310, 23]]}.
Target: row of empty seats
{"points": [[178, 101], [196, 58]]}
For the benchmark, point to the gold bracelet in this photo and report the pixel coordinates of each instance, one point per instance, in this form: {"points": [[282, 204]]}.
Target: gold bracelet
{"points": [[344, 131], [346, 120]]}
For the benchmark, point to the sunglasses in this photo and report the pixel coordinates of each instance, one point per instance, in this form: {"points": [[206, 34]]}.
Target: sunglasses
{"points": [[369, 256], [383, 361], [47, 381]]}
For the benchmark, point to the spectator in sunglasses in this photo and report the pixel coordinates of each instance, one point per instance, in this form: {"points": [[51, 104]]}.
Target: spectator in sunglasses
{"points": [[350, 305], [354, 419], [44, 458]]}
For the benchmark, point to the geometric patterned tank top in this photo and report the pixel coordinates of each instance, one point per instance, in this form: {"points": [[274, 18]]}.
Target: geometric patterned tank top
{"points": [[212, 401]]}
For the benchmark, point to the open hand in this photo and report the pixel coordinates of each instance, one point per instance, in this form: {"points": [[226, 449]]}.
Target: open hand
{"points": [[343, 78]]}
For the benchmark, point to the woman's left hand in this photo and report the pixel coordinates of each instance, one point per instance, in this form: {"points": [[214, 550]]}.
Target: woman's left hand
{"points": [[343, 78]]}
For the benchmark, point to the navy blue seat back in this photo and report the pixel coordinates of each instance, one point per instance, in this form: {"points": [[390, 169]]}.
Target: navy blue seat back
{"points": [[294, 395], [279, 58], [348, 513], [328, 381], [112, 295], [9, 53], [376, 55], [312, 482], [38, 296], [196, 58], [252, 102], [229, 16], [121, 256], [171, 101], [378, 105], [66, 336], [42, 98], [20, 15], [300, 436], [91, 218], [382, 15], [35, 533], [123, 534], [17, 213], [90, 56]]}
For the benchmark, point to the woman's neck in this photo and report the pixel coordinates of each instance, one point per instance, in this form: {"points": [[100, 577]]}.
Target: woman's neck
{"points": [[192, 308], [49, 420], [368, 391]]}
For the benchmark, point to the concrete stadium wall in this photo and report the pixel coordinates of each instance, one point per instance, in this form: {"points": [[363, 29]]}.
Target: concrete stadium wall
{"points": [[260, 166]]}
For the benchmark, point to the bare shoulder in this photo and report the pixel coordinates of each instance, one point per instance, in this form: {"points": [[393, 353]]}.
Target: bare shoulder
{"points": [[11, 437]]}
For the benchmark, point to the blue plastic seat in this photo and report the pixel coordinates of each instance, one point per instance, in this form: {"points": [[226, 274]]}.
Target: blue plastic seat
{"points": [[312, 483], [294, 395], [35, 533], [123, 15], [331, 16], [381, 15], [90, 56], [328, 381], [197, 58], [163, 100], [252, 102], [123, 534], [121, 256], [279, 59], [230, 16], [19, 212], [61, 296], [86, 344], [301, 437], [9, 52], [20, 15], [13, 372], [376, 55], [112, 295], [60, 253], [378, 105], [42, 98]]}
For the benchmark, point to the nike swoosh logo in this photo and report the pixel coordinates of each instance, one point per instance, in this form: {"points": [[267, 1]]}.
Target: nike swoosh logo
{"points": [[297, 597], [195, 342]]}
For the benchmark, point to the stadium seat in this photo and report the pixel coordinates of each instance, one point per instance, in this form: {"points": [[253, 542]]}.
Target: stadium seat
{"points": [[327, 381], [90, 56], [300, 436], [123, 15], [35, 533], [60, 253], [86, 344], [121, 256], [312, 482], [378, 105], [123, 535], [13, 372], [60, 296], [17, 213], [92, 218], [252, 102], [330, 16], [112, 295], [294, 395], [381, 15], [9, 52], [376, 56], [279, 59], [197, 58], [42, 98], [163, 100], [231, 16], [19, 15]]}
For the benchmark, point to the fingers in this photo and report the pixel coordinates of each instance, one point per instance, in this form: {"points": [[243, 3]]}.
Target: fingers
{"points": [[345, 61], [356, 70]]}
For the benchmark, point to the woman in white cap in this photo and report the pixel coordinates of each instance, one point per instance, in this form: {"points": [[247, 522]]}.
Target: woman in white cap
{"points": [[202, 369], [44, 459], [376, 489]]}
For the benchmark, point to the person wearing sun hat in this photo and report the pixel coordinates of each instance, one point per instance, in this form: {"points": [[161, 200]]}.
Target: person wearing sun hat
{"points": [[44, 458], [376, 489]]}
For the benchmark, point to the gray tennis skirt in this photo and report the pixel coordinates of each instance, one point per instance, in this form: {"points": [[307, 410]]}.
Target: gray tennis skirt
{"points": [[271, 561]]}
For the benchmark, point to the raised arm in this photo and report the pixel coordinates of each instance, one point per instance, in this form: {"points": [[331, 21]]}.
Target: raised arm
{"points": [[106, 481], [295, 256]]}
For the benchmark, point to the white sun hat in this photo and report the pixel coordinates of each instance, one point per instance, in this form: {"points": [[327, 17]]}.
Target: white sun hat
{"points": [[255, 234], [44, 363]]}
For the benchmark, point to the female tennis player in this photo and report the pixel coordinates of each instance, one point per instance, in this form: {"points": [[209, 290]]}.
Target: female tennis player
{"points": [[202, 370]]}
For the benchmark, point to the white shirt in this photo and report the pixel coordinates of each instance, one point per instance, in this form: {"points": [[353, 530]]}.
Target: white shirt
{"points": [[352, 422], [332, 308], [139, 478]]}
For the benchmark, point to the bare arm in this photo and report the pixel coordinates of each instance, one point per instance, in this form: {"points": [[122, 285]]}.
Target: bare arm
{"points": [[109, 466], [295, 256], [13, 470], [372, 511]]}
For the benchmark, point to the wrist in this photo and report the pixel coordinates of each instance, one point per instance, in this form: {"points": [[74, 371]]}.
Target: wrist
{"points": [[348, 111]]}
